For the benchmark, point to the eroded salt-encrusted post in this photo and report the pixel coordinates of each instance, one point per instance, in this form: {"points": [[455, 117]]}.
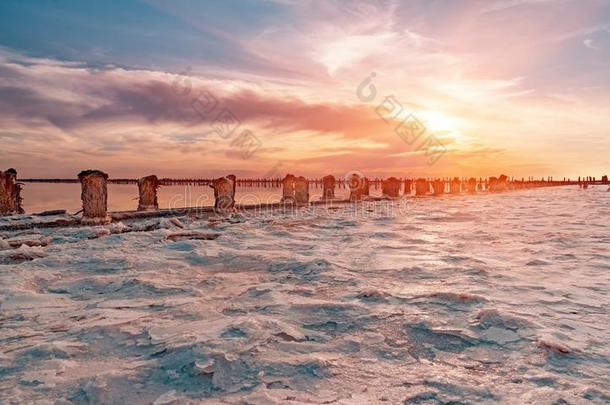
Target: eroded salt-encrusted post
{"points": [[439, 186], [503, 182], [358, 187], [421, 187], [288, 189], [390, 188], [498, 184], [328, 182], [366, 187], [301, 190], [408, 187], [148, 187], [94, 196], [224, 193], [10, 193], [491, 185], [471, 186], [454, 186]]}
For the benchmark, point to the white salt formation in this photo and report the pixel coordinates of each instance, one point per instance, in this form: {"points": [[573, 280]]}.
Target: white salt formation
{"points": [[448, 302]]}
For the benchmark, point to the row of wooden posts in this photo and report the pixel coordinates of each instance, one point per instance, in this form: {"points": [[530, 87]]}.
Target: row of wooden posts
{"points": [[313, 183], [94, 192]]}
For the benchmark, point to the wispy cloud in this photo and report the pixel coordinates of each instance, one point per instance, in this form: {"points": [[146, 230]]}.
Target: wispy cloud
{"points": [[590, 43]]}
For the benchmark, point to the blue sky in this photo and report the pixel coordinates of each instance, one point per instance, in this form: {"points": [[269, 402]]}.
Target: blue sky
{"points": [[137, 33]]}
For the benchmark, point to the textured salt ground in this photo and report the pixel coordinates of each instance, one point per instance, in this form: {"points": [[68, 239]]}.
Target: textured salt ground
{"points": [[459, 299]]}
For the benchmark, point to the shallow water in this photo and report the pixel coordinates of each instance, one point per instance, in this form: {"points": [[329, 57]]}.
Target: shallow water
{"points": [[499, 298], [38, 197]]}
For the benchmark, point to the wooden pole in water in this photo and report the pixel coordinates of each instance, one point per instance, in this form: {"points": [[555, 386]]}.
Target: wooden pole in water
{"points": [[10, 193], [498, 184], [408, 186], [224, 193], [492, 183], [454, 186], [147, 187], [94, 195], [438, 186], [301, 190], [366, 186], [328, 183], [421, 186], [288, 189], [471, 185], [358, 186], [390, 188]]}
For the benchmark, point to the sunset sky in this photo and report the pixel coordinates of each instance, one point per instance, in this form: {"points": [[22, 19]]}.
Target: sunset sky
{"points": [[520, 87]]}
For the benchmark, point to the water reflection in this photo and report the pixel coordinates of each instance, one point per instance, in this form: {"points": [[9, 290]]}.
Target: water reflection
{"points": [[121, 197]]}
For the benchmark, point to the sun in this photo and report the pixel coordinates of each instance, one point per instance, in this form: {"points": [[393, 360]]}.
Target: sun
{"points": [[443, 125], [436, 121]]}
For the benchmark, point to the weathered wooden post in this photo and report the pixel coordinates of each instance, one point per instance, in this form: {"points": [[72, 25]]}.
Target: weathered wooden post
{"points": [[421, 186], [301, 190], [510, 183], [328, 192], [147, 187], [288, 189], [438, 186], [408, 186], [10, 193], [471, 186], [358, 187], [498, 184], [390, 188], [503, 183], [224, 193], [354, 182], [94, 195], [454, 186], [366, 187], [493, 181]]}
